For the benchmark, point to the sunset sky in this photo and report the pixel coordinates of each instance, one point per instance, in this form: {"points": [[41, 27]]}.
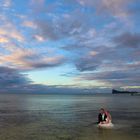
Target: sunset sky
{"points": [[71, 46]]}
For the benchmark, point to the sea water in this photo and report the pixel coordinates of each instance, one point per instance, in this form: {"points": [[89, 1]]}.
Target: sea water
{"points": [[67, 117]]}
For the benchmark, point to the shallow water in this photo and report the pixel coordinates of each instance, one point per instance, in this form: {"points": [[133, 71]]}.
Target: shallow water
{"points": [[67, 117]]}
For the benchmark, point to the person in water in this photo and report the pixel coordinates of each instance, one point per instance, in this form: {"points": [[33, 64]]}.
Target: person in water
{"points": [[104, 116], [109, 118]]}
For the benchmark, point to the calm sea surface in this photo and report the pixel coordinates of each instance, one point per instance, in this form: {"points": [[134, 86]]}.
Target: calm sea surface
{"points": [[67, 117]]}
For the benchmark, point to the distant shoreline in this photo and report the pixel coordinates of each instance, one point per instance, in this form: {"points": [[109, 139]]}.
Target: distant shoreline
{"points": [[125, 92]]}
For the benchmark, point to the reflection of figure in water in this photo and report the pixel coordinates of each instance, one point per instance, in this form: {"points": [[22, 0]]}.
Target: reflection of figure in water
{"points": [[104, 117]]}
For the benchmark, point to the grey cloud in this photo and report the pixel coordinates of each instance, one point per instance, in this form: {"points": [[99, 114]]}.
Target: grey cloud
{"points": [[6, 3], [37, 6], [58, 30], [87, 64], [29, 59], [69, 25], [115, 78], [119, 75], [36, 61], [115, 66], [75, 25], [40, 7], [47, 30], [13, 81], [128, 40], [44, 65], [105, 55], [11, 77], [135, 65], [117, 8]]}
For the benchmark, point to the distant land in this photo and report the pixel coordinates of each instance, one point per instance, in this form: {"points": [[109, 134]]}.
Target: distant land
{"points": [[125, 92]]}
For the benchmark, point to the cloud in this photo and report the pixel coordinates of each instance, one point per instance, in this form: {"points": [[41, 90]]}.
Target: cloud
{"points": [[39, 38], [10, 78], [89, 34], [28, 59], [15, 52], [54, 28], [117, 78], [128, 39], [49, 7], [37, 6], [87, 2], [87, 64], [95, 57], [50, 30], [46, 30], [93, 53], [13, 81], [46, 62], [4, 40], [117, 8], [6, 3], [10, 32], [89, 56], [108, 66], [29, 24]]}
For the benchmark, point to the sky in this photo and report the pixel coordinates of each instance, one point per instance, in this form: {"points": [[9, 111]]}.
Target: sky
{"points": [[69, 46]]}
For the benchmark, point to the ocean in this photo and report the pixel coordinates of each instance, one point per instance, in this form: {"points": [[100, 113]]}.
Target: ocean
{"points": [[67, 117]]}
